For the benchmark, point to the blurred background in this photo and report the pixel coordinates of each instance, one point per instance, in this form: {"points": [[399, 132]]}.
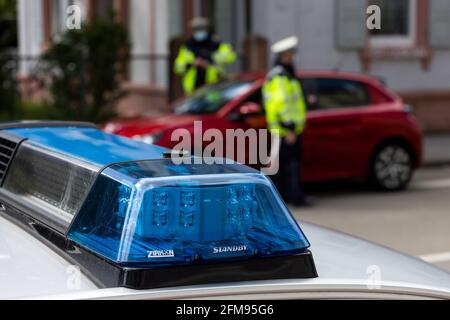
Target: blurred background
{"points": [[411, 53], [119, 65]]}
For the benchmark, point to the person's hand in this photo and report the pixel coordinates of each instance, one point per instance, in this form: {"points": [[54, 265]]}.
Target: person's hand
{"points": [[202, 63], [291, 138]]}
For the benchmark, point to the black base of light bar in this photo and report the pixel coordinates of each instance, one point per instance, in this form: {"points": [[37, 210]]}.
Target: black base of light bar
{"points": [[108, 275], [299, 266]]}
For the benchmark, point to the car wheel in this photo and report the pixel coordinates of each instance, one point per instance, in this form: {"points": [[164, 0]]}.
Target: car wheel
{"points": [[392, 168]]}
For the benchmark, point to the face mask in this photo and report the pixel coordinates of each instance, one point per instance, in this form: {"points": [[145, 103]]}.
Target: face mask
{"points": [[201, 35]]}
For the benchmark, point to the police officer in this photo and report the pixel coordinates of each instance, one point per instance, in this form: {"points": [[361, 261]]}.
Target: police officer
{"points": [[202, 58], [286, 118]]}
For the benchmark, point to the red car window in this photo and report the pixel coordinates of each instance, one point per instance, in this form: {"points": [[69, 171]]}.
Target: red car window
{"points": [[330, 93]]}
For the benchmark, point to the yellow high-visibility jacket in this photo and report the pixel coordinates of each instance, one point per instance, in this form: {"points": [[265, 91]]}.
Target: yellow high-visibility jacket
{"points": [[284, 103], [223, 55]]}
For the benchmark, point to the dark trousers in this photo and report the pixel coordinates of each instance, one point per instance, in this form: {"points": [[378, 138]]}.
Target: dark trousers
{"points": [[287, 180], [200, 81]]}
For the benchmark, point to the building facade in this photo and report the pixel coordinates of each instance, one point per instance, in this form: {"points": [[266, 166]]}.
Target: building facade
{"points": [[411, 51]]}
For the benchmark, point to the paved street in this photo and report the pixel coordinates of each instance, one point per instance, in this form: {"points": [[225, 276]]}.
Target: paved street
{"points": [[434, 153], [416, 221]]}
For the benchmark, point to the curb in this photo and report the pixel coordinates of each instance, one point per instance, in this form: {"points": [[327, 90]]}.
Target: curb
{"points": [[436, 163]]}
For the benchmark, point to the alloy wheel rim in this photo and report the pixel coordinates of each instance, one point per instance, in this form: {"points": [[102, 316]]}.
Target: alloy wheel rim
{"points": [[393, 167]]}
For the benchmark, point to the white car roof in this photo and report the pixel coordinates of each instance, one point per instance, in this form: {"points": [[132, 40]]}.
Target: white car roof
{"points": [[30, 269], [341, 256]]}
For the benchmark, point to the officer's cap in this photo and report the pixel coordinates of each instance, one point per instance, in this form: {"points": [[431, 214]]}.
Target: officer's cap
{"points": [[284, 45], [199, 22]]}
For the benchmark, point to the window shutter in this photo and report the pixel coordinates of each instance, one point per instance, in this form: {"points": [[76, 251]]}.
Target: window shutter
{"points": [[351, 28], [440, 23]]}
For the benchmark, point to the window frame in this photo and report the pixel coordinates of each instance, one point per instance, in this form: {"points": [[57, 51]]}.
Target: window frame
{"points": [[397, 41], [420, 50]]}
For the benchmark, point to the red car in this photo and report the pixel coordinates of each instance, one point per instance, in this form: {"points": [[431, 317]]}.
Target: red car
{"points": [[356, 127]]}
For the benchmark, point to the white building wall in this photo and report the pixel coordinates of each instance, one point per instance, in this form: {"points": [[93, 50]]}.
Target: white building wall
{"points": [[30, 33], [316, 30], [59, 16], [139, 26], [83, 6], [314, 23], [31, 27], [161, 41], [275, 19]]}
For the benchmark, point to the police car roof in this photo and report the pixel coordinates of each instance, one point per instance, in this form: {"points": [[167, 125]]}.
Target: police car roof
{"points": [[29, 268], [343, 262]]}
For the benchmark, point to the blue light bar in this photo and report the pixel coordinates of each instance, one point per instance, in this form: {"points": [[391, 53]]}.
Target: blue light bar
{"points": [[158, 220], [130, 217], [88, 144]]}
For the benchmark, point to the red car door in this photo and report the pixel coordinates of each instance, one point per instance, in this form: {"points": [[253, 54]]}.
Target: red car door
{"points": [[334, 130]]}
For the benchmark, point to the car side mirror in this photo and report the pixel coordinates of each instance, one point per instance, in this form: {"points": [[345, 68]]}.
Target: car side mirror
{"points": [[250, 109]]}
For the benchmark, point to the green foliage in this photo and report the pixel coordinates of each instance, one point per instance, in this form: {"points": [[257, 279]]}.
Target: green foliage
{"points": [[8, 23], [8, 39], [84, 67], [8, 7], [8, 85], [32, 111]]}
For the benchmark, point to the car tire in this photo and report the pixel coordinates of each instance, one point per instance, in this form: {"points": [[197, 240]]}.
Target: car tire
{"points": [[392, 167]]}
